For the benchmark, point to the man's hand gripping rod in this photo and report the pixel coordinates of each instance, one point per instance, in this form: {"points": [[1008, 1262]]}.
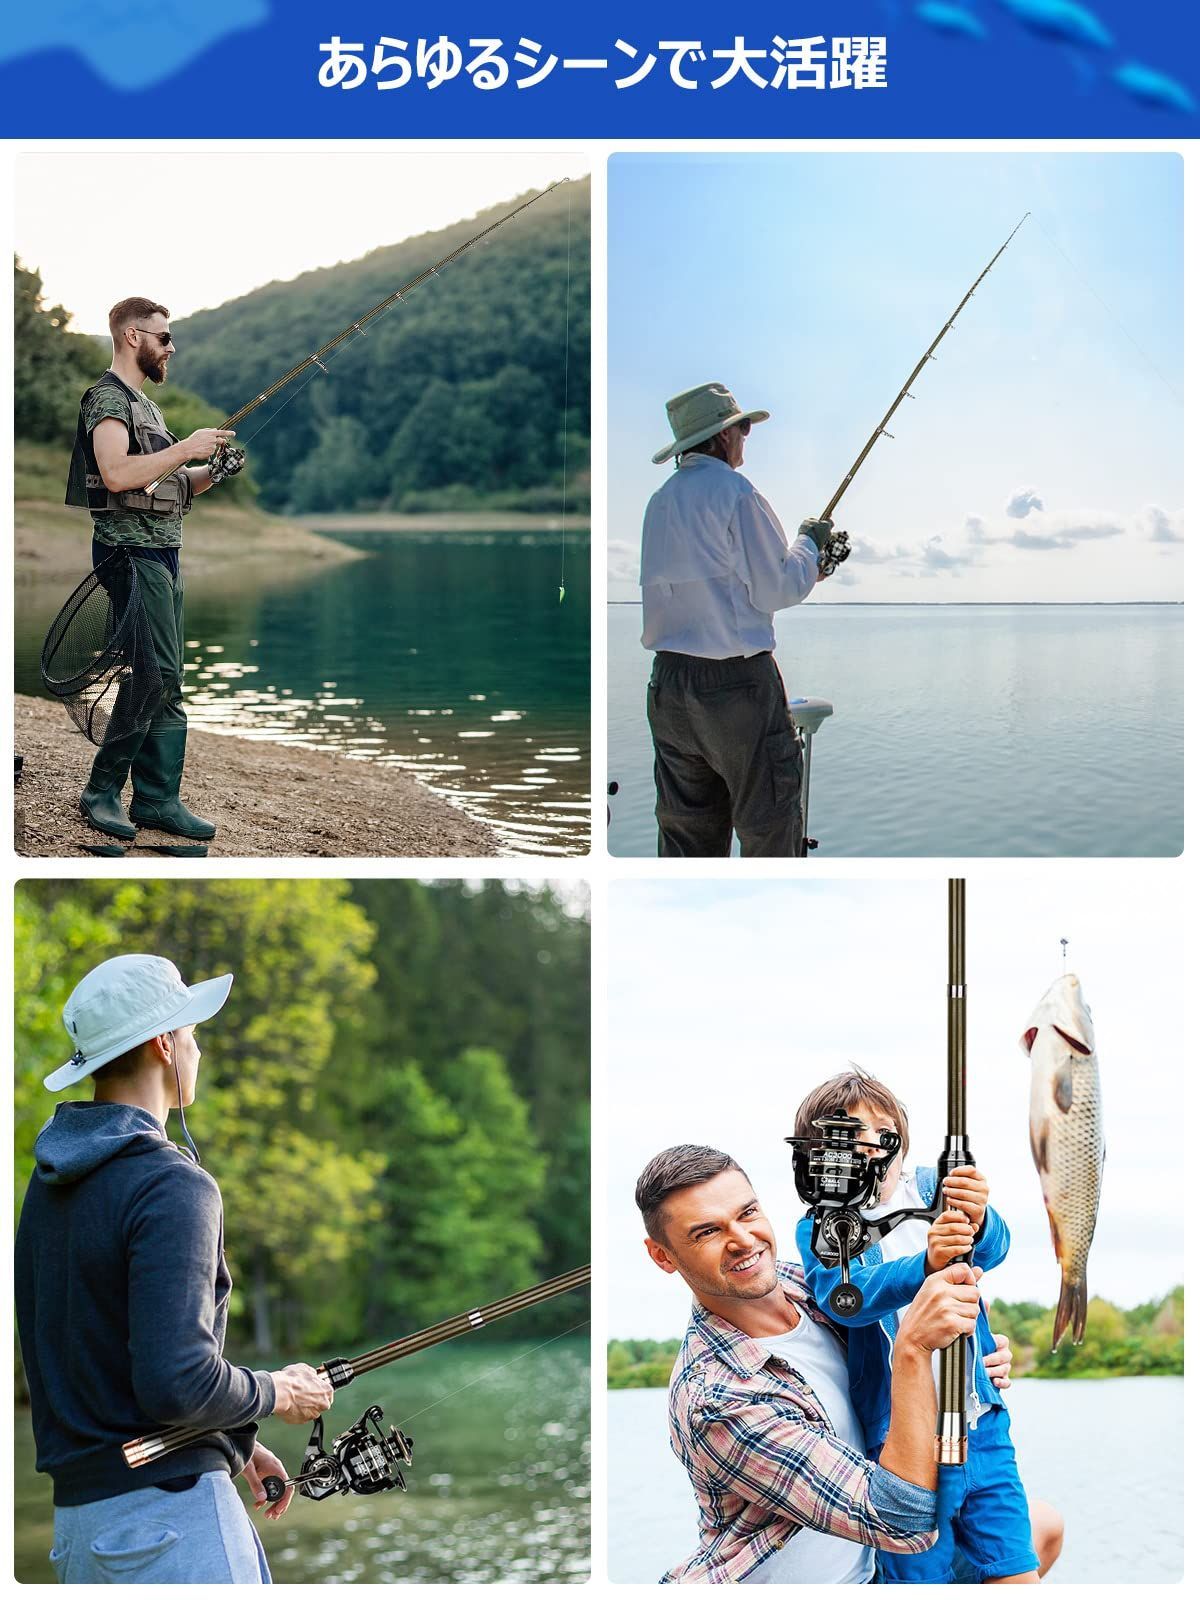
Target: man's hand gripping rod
{"points": [[838, 1178], [227, 460], [340, 1371], [837, 546]]}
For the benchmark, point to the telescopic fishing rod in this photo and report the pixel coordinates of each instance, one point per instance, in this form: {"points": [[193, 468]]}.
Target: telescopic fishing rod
{"points": [[952, 1362], [837, 548], [839, 1176], [228, 460], [364, 1459]]}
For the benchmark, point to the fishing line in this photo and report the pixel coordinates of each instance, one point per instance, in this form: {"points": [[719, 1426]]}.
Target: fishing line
{"points": [[562, 576], [492, 1371], [1166, 383]]}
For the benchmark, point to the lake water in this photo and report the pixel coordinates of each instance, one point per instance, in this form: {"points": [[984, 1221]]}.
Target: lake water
{"points": [[1108, 1454], [448, 655], [958, 730], [499, 1488]]}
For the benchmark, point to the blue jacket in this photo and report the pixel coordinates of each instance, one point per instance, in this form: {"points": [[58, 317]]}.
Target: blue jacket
{"points": [[887, 1287], [122, 1297]]}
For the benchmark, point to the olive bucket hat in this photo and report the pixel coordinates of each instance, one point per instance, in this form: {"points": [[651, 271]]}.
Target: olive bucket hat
{"points": [[696, 414], [125, 1001]]}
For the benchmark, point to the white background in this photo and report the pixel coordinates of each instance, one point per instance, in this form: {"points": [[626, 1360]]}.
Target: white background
{"points": [[1168, 886]]}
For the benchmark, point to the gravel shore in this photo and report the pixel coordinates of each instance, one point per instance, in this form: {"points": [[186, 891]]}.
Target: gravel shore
{"points": [[266, 799]]}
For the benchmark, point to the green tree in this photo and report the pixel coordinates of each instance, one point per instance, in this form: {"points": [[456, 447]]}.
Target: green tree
{"points": [[295, 1198], [51, 365]]}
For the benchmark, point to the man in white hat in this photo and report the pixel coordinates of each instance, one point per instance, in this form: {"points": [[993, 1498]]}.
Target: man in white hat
{"points": [[716, 566], [122, 1298]]}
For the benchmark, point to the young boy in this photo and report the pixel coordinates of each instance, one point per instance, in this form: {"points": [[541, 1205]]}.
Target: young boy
{"points": [[983, 1514]]}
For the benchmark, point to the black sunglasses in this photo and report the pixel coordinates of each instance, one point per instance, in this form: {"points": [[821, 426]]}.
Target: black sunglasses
{"points": [[744, 425], [163, 338]]}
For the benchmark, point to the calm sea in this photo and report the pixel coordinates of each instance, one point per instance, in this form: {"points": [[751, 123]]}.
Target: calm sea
{"points": [[446, 654], [959, 730], [1108, 1454]]}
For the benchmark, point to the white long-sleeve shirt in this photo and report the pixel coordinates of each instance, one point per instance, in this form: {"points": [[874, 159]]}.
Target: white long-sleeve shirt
{"points": [[716, 564]]}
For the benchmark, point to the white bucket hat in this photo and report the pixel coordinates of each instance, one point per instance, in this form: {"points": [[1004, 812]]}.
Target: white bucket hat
{"points": [[125, 1001], [697, 414]]}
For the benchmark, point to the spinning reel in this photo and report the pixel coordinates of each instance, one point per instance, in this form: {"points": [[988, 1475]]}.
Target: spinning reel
{"points": [[837, 548], [363, 1460], [227, 461], [839, 1178]]}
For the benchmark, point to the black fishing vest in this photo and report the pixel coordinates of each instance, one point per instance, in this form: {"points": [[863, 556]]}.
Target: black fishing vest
{"points": [[86, 487]]}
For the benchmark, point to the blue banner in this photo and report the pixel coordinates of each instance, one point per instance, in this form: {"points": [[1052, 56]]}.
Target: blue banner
{"points": [[823, 69]]}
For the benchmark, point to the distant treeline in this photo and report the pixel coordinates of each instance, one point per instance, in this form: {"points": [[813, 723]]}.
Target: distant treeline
{"points": [[1146, 1341], [454, 398], [394, 1100]]}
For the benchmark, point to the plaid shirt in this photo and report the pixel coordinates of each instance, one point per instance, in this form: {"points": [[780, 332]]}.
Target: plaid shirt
{"points": [[764, 1459]]}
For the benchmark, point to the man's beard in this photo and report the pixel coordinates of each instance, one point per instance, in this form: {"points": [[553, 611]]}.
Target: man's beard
{"points": [[151, 366]]}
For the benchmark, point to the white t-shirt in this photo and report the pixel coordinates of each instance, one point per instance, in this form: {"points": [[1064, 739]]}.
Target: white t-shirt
{"points": [[910, 1238], [814, 1352]]}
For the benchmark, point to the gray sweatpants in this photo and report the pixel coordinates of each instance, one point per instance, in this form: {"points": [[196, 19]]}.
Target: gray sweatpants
{"points": [[727, 756], [199, 1535]]}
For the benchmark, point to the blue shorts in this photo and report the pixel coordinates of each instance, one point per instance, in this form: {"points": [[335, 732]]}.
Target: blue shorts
{"points": [[199, 1535], [983, 1517]]}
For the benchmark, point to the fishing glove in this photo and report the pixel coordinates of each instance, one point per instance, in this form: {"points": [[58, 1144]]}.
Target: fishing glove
{"points": [[818, 531]]}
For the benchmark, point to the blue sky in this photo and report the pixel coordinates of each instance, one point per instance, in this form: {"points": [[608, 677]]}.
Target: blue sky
{"points": [[728, 1001], [1042, 456]]}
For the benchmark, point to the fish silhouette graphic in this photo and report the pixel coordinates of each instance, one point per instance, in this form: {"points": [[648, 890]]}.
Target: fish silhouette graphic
{"points": [[1062, 20], [130, 44], [1153, 88], [951, 19]]}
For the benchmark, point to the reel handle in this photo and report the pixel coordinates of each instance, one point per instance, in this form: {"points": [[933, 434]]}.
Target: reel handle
{"points": [[275, 1488]]}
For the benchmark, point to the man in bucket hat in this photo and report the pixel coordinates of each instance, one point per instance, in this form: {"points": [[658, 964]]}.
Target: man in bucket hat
{"points": [[122, 1298], [716, 566]]}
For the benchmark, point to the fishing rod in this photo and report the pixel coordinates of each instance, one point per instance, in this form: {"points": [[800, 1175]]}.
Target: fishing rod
{"points": [[952, 1361], [837, 547], [227, 460], [363, 1460], [839, 1176]]}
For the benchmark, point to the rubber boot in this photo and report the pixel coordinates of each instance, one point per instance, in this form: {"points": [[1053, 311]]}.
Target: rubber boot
{"points": [[157, 774], [100, 802]]}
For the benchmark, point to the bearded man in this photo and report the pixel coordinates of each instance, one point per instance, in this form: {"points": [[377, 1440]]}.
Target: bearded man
{"points": [[132, 474]]}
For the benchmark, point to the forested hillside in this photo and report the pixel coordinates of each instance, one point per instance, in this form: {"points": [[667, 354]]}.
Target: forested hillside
{"points": [[454, 398], [394, 1101]]}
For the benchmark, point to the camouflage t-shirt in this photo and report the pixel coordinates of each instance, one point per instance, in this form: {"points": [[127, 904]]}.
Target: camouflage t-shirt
{"points": [[127, 526]]}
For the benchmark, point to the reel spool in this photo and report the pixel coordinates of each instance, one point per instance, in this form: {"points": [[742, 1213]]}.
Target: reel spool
{"points": [[838, 1178], [363, 1460], [226, 462], [837, 548]]}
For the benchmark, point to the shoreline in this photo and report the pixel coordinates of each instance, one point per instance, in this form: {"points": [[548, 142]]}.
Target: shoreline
{"points": [[447, 522], [267, 799], [221, 544]]}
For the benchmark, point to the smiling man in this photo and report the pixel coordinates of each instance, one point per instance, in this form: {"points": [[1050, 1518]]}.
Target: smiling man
{"points": [[122, 447], [760, 1410]]}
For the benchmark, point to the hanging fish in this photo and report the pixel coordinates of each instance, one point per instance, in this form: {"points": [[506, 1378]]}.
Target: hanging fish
{"points": [[1067, 1136]]}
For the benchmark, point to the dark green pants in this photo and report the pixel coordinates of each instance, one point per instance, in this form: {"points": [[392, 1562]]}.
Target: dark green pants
{"points": [[727, 756], [153, 754]]}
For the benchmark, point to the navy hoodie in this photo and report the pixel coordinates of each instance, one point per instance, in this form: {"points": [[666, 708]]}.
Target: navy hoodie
{"points": [[122, 1299]]}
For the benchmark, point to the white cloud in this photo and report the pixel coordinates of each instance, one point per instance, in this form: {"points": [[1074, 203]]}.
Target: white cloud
{"points": [[1023, 502], [1062, 531], [1159, 527]]}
